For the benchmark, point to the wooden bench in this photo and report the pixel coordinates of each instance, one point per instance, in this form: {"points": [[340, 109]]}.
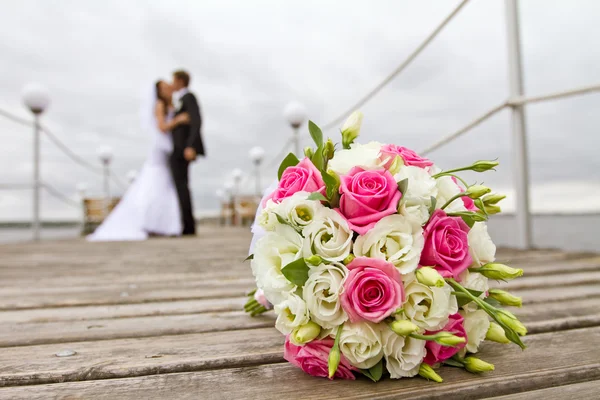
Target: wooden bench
{"points": [[162, 319], [240, 211]]}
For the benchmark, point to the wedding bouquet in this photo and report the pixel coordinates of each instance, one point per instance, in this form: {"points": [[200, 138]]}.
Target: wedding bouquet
{"points": [[375, 260]]}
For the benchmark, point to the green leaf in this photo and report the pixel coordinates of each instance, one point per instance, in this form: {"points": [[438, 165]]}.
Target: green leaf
{"points": [[403, 185], [318, 159], [433, 204], [469, 221], [492, 302], [462, 298], [375, 372], [296, 272], [289, 161], [316, 196], [453, 363], [281, 220], [332, 185], [250, 257], [479, 204], [315, 133]]}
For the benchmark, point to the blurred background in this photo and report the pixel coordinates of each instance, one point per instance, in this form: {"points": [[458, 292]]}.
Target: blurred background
{"points": [[249, 60]]}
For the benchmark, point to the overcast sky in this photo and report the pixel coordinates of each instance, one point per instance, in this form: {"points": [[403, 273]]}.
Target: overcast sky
{"points": [[248, 59]]}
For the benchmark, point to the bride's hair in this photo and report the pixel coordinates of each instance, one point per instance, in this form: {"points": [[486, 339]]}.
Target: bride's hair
{"points": [[159, 96]]}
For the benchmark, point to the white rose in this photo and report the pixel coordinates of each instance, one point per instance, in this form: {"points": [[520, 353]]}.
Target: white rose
{"points": [[394, 238], [476, 326], [447, 189], [428, 307], [361, 344], [421, 188], [322, 293], [359, 155], [291, 313], [481, 247], [299, 211], [403, 355], [328, 236], [273, 252], [267, 219]]}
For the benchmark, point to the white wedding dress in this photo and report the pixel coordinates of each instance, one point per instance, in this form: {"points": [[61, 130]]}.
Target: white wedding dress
{"points": [[150, 204]]}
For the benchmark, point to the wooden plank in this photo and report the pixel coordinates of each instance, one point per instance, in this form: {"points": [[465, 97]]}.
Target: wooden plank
{"points": [[103, 329], [155, 309], [57, 325], [551, 281], [580, 391], [516, 371], [542, 295], [126, 294], [138, 357]]}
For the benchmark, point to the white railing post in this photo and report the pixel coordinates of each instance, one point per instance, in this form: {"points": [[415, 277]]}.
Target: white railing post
{"points": [[521, 166]]}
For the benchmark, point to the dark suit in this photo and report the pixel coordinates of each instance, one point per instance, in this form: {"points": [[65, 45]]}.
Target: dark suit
{"points": [[186, 136]]}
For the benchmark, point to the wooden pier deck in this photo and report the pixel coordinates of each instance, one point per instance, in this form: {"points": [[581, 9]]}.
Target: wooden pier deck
{"points": [[162, 319]]}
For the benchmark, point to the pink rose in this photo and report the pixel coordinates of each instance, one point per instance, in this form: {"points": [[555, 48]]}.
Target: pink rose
{"points": [[366, 197], [390, 151], [312, 358], [304, 177], [372, 291], [437, 353], [467, 201], [446, 245]]}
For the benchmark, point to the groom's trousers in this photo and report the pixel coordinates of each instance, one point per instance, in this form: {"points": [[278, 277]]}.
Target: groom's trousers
{"points": [[179, 169]]}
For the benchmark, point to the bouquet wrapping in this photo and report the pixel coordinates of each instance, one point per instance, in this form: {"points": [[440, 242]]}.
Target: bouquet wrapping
{"points": [[377, 262]]}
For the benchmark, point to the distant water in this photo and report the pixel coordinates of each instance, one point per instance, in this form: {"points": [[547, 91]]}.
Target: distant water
{"points": [[566, 232]]}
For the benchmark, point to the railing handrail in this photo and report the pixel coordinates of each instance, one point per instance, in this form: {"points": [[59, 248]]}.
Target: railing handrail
{"points": [[509, 103]]}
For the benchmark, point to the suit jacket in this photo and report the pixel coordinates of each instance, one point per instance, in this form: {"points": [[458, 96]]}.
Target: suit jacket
{"points": [[188, 135]]}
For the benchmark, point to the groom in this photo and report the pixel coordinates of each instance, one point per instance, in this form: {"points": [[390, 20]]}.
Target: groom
{"points": [[187, 145]]}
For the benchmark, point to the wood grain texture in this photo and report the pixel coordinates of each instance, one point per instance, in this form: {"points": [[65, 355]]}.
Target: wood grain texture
{"points": [[103, 329], [137, 357], [514, 373], [162, 319], [580, 391]]}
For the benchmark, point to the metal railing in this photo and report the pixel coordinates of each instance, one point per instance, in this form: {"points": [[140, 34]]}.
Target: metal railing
{"points": [[516, 103]]}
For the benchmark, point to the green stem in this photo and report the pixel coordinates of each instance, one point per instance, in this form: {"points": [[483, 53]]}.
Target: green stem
{"points": [[336, 342], [456, 176], [490, 310], [422, 337], [451, 171], [485, 306], [458, 196], [258, 311]]}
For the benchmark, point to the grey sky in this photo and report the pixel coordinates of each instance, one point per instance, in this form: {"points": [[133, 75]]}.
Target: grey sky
{"points": [[248, 59]]}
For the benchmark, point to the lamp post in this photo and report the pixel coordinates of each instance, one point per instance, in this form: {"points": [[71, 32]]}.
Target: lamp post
{"points": [[105, 154], [257, 154], [295, 114], [236, 175], [37, 99]]}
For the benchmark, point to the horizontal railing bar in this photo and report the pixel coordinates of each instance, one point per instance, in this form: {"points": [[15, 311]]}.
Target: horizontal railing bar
{"points": [[510, 103], [340, 118], [465, 129], [553, 96], [15, 186]]}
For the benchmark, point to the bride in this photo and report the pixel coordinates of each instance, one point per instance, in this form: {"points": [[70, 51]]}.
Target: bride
{"points": [[150, 205]]}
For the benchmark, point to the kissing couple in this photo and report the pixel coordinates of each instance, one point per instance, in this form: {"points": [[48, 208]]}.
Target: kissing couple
{"points": [[158, 202]]}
